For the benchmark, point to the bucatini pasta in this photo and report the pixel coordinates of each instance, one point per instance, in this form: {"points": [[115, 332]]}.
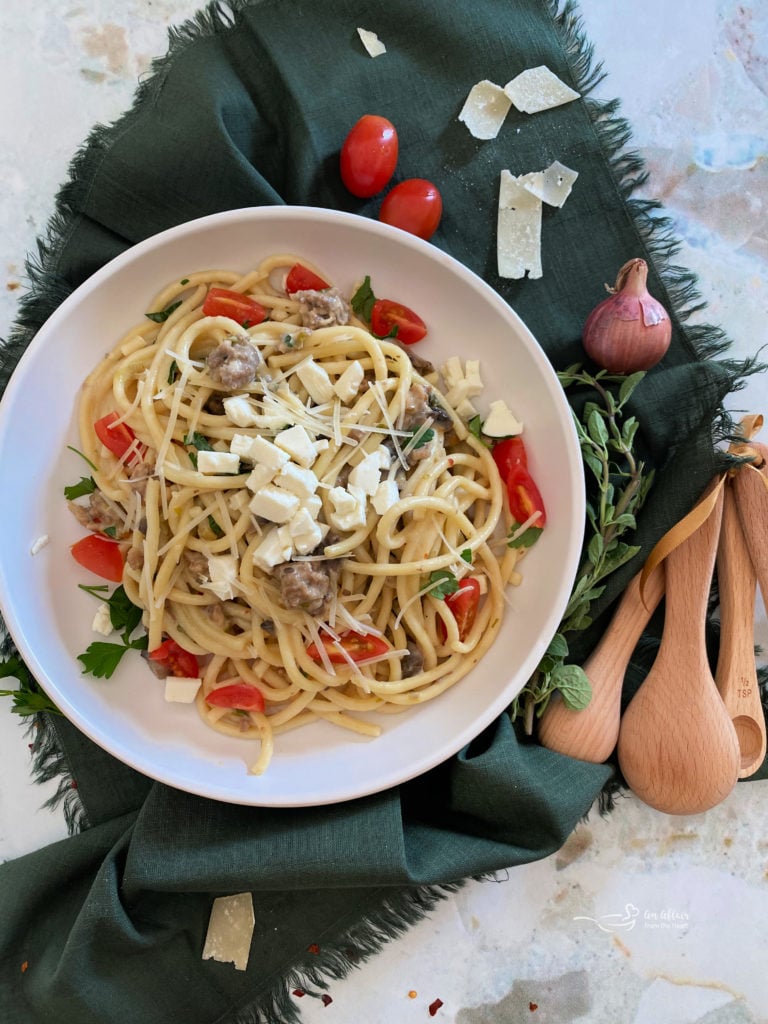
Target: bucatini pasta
{"points": [[304, 518]]}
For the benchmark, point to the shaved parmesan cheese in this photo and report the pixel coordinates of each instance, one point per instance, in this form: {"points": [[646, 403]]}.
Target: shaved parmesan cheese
{"points": [[484, 109], [538, 89], [518, 242], [552, 186], [230, 930], [371, 42]]}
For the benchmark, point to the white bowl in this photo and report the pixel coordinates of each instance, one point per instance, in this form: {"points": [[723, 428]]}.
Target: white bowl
{"points": [[50, 618]]}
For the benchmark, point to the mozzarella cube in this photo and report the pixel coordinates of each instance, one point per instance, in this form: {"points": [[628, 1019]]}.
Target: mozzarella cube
{"points": [[384, 456], [274, 504], [313, 504], [465, 410], [386, 495], [452, 372], [348, 384], [259, 477], [102, 621], [237, 500], [348, 508], [297, 443], [501, 421], [215, 463], [276, 547], [366, 474], [238, 410], [241, 445], [181, 689], [268, 454], [305, 532], [297, 480], [316, 380], [473, 378], [223, 572]]}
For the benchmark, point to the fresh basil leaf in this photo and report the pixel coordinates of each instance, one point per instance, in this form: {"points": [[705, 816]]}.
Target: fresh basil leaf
{"points": [[363, 299], [422, 437], [162, 315]]}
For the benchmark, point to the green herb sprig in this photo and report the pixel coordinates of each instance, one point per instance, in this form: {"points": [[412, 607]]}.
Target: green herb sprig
{"points": [[101, 658], [28, 698], [606, 438]]}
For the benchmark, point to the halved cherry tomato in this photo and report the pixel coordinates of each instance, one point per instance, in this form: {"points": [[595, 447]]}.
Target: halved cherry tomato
{"points": [[524, 497], [235, 305], [509, 453], [415, 205], [242, 696], [358, 646], [387, 315], [463, 604], [116, 437], [100, 555], [369, 155], [301, 278], [178, 661]]}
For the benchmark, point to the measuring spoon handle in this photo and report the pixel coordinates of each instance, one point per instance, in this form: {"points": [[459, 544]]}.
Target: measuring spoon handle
{"points": [[591, 734], [751, 492]]}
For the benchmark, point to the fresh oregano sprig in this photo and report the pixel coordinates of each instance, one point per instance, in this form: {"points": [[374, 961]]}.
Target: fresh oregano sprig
{"points": [[606, 438]]}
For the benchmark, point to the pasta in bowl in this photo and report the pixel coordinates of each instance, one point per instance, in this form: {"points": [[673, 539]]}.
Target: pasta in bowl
{"points": [[308, 516]]}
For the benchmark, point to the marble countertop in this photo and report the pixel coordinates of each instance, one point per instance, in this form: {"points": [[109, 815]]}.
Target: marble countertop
{"points": [[641, 917]]}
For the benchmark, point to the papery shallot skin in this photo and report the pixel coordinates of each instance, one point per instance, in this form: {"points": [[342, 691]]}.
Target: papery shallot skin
{"points": [[630, 330]]}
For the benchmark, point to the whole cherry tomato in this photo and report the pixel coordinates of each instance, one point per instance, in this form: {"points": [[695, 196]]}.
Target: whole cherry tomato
{"points": [[369, 155], [415, 205]]}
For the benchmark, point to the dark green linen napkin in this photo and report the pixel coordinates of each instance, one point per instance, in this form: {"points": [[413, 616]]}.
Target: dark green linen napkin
{"points": [[250, 108]]}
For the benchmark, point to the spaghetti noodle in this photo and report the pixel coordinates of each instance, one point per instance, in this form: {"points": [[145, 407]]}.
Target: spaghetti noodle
{"points": [[293, 500]]}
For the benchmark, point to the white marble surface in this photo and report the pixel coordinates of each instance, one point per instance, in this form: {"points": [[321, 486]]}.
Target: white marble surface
{"points": [[642, 917]]}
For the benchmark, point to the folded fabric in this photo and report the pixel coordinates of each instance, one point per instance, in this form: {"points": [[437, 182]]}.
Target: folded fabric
{"points": [[250, 108]]}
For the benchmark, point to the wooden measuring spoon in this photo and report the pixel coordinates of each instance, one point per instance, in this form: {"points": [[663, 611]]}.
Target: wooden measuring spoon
{"points": [[591, 734], [677, 746], [749, 487], [736, 673]]}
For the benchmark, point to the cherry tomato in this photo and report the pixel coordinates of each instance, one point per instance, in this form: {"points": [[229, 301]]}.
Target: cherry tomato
{"points": [[238, 307], [387, 315], [369, 155], [414, 205], [509, 453], [301, 278], [463, 604], [242, 696], [178, 661], [118, 438], [358, 646], [524, 497], [100, 555]]}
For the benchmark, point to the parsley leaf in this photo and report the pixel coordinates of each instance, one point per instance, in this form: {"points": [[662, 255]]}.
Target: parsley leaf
{"points": [[215, 528], [422, 437], [446, 583], [199, 441], [162, 315], [363, 299], [101, 659], [466, 554], [28, 697], [526, 539], [173, 372], [85, 485]]}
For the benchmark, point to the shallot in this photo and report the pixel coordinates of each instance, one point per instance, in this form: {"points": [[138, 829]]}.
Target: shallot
{"points": [[630, 330]]}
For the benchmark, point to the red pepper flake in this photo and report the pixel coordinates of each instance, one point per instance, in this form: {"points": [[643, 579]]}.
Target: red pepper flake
{"points": [[327, 1000], [314, 948], [24, 966], [434, 1007], [73, 784], [299, 992], [533, 1007]]}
